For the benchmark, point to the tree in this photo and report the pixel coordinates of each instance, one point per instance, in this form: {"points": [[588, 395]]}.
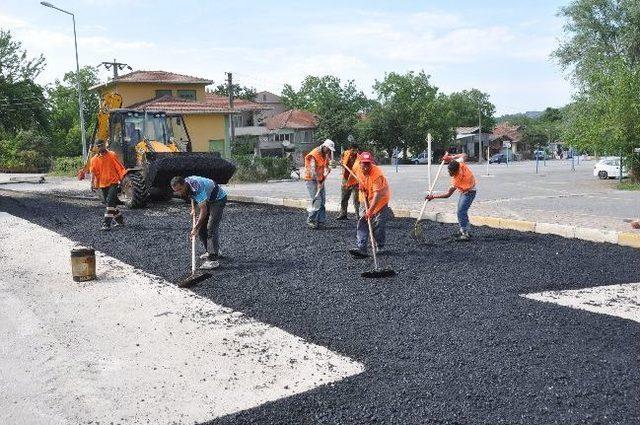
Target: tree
{"points": [[21, 99], [464, 106], [239, 92], [65, 121], [336, 105], [602, 54]]}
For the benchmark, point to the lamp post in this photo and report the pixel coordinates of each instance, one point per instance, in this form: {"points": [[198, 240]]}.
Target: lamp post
{"points": [[80, 104]]}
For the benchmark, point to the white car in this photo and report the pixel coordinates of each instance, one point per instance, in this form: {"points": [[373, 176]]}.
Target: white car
{"points": [[609, 167], [423, 158]]}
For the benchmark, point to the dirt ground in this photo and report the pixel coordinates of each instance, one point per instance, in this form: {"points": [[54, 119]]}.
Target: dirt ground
{"points": [[451, 339]]}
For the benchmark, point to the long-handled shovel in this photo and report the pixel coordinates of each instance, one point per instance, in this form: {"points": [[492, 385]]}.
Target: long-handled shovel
{"points": [[195, 276], [417, 231], [377, 272]]}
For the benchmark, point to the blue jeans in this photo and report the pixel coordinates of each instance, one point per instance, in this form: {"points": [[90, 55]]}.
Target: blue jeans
{"points": [[316, 211], [464, 203], [379, 224]]}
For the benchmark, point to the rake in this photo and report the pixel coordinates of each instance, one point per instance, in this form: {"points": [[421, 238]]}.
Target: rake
{"points": [[417, 231]]}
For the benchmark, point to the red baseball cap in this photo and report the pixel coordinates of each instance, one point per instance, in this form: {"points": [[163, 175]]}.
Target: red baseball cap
{"points": [[367, 157]]}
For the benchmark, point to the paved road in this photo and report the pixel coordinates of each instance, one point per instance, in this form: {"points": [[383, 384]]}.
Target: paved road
{"points": [[451, 339], [555, 195]]}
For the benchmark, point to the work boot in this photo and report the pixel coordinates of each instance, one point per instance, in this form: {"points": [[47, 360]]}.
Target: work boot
{"points": [[359, 253], [464, 236], [204, 256], [312, 225], [119, 220], [105, 227], [210, 265], [341, 216], [380, 250]]}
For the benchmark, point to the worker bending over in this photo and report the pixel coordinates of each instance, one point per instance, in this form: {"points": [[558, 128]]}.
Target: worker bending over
{"points": [[211, 199], [106, 174], [374, 205], [349, 182], [463, 180], [317, 168]]}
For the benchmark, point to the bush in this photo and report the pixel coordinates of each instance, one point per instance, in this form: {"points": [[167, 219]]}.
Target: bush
{"points": [[254, 169], [24, 152], [67, 165]]}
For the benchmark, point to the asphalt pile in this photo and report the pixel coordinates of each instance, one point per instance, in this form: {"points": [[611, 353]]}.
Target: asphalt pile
{"points": [[448, 340]]}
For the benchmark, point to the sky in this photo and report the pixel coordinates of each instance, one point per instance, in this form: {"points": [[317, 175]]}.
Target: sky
{"points": [[501, 47]]}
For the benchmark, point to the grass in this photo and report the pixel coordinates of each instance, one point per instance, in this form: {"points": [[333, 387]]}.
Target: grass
{"points": [[628, 185]]}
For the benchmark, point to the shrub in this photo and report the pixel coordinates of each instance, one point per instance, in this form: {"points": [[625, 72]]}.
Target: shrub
{"points": [[254, 169], [67, 165]]}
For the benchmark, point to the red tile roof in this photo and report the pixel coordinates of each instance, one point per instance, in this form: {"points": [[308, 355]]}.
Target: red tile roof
{"points": [[174, 105], [513, 132], [241, 104], [162, 77], [294, 119]]}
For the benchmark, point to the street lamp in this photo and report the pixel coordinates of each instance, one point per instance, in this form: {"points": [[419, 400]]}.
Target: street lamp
{"points": [[80, 104]]}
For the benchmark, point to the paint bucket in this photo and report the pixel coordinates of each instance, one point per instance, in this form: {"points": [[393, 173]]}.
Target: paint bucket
{"points": [[83, 264]]}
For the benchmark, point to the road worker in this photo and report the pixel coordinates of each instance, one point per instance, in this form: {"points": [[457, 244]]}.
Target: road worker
{"points": [[349, 182], [317, 168]]}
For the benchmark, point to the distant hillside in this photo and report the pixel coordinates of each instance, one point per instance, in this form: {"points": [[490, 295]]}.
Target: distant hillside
{"points": [[511, 117]]}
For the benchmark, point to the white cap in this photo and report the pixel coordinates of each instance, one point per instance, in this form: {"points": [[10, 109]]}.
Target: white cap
{"points": [[329, 144]]}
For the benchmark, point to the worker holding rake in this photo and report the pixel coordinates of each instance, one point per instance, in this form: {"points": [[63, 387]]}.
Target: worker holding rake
{"points": [[462, 179], [349, 182], [374, 205]]}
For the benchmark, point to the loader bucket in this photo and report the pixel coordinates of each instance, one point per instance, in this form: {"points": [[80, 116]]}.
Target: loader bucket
{"points": [[163, 166]]}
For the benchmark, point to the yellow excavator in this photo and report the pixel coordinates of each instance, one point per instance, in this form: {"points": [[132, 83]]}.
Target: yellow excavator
{"points": [[154, 147]]}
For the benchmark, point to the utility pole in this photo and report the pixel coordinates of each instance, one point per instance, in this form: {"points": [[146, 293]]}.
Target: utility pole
{"points": [[230, 91], [480, 133], [117, 66]]}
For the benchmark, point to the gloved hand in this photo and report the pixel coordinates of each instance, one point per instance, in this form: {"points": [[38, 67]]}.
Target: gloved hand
{"points": [[367, 215], [429, 197], [447, 158]]}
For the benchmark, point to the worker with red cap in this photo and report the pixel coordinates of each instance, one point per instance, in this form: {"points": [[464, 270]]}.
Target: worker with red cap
{"points": [[317, 168], [374, 205]]}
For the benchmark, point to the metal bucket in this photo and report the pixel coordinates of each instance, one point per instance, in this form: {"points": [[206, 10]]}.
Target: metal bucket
{"points": [[83, 264]]}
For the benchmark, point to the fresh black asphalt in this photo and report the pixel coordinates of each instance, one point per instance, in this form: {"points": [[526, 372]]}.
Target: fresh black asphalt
{"points": [[449, 340]]}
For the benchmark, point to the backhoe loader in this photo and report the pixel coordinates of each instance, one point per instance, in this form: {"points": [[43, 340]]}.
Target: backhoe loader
{"points": [[153, 147]]}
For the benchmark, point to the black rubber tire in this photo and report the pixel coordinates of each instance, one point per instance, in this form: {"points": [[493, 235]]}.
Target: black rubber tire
{"points": [[602, 175], [134, 190], [161, 194]]}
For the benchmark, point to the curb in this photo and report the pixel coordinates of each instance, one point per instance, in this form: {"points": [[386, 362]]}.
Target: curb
{"points": [[570, 232]]}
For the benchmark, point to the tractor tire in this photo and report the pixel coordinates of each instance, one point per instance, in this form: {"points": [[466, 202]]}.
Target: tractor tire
{"points": [[603, 175], [134, 190], [161, 194]]}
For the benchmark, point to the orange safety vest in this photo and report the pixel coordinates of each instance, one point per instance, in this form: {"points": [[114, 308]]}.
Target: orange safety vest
{"points": [[106, 169], [374, 182], [352, 162], [464, 180], [321, 163]]}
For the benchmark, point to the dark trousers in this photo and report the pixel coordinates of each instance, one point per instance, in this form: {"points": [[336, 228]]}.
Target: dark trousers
{"points": [[110, 195], [347, 192], [210, 235], [378, 224]]}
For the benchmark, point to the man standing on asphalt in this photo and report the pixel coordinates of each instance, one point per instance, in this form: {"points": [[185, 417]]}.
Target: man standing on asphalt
{"points": [[374, 205], [211, 199], [107, 172], [349, 183], [463, 180], [317, 168]]}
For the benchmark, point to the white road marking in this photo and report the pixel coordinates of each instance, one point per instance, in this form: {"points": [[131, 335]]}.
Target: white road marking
{"points": [[130, 347], [621, 300]]}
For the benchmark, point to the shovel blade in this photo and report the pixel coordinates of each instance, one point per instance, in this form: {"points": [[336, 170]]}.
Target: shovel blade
{"points": [[378, 274], [192, 279]]}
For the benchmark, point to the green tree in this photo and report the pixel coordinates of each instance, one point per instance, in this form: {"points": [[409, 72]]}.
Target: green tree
{"points": [[601, 52], [337, 105], [464, 106], [21, 100], [65, 121], [239, 92]]}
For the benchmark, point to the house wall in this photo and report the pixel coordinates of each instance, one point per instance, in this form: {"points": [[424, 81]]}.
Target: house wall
{"points": [[137, 92], [205, 127]]}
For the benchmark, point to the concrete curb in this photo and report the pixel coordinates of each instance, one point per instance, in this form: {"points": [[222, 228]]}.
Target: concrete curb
{"points": [[570, 232]]}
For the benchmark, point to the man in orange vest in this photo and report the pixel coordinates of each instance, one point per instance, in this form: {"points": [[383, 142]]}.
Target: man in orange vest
{"points": [[107, 172], [462, 179], [317, 168], [349, 183], [374, 205]]}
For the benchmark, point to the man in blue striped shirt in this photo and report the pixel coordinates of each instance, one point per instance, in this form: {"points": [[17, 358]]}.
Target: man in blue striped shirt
{"points": [[211, 199]]}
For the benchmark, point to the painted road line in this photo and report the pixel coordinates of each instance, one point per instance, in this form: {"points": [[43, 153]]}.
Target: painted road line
{"points": [[615, 300], [131, 347]]}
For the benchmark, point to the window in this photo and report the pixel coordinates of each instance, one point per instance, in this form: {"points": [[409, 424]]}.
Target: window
{"points": [[187, 94], [160, 93], [282, 137]]}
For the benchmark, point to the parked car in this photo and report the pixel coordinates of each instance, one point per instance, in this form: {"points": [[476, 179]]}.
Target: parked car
{"points": [[423, 158], [502, 158], [609, 167]]}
